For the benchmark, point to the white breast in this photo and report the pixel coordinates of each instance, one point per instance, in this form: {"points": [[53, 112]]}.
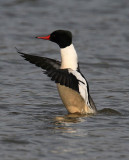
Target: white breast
{"points": [[69, 58]]}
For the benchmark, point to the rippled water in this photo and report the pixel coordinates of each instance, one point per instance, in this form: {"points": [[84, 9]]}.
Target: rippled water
{"points": [[34, 124]]}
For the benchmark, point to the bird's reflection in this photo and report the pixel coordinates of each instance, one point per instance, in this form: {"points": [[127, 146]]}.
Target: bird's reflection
{"points": [[67, 124], [71, 118]]}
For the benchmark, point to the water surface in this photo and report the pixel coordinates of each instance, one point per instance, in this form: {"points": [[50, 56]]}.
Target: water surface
{"points": [[30, 107]]}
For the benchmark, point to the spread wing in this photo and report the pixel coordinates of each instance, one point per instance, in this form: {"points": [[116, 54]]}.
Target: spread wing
{"points": [[52, 69], [43, 62]]}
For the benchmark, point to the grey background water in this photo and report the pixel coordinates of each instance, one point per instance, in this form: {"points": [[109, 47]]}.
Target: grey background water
{"points": [[29, 102]]}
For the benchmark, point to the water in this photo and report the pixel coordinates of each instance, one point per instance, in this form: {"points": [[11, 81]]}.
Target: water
{"points": [[32, 126]]}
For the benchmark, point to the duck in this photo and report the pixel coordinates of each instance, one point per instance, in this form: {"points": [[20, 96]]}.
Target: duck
{"points": [[71, 84]]}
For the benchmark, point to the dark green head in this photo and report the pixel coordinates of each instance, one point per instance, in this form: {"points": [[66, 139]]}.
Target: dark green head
{"points": [[62, 37]]}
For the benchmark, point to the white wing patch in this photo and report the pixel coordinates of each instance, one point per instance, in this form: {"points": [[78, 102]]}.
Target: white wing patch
{"points": [[82, 85]]}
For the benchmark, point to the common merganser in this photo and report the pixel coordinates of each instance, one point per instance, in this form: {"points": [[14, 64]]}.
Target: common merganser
{"points": [[72, 85]]}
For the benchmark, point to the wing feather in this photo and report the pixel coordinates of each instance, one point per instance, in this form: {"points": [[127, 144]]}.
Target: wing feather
{"points": [[43, 62], [52, 69]]}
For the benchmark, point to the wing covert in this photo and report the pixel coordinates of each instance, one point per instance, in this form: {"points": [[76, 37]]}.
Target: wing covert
{"points": [[43, 62], [52, 69]]}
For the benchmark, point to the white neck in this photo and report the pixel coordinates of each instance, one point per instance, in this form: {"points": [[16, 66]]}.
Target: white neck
{"points": [[69, 58]]}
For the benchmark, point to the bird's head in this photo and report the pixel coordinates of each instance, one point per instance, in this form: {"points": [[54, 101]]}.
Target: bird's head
{"points": [[62, 37]]}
